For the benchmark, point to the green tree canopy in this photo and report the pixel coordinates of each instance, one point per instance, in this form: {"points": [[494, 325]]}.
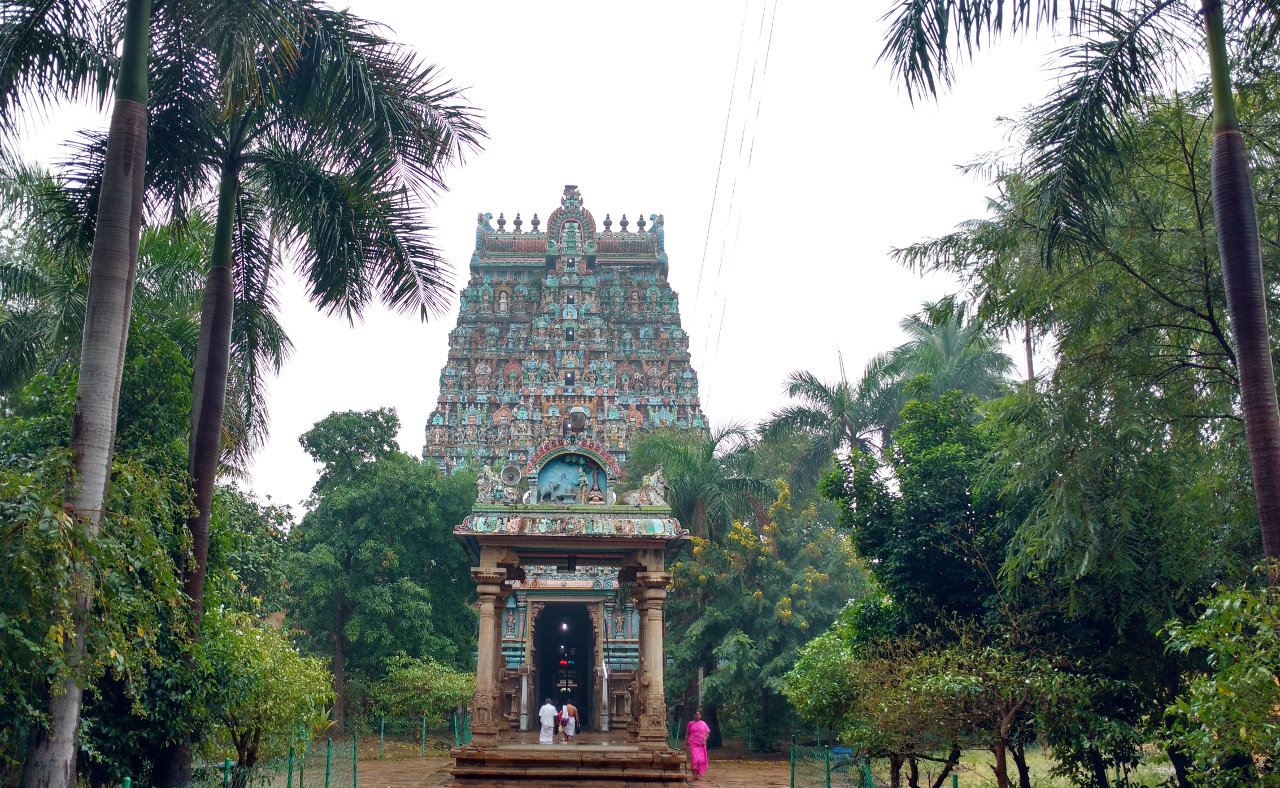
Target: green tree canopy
{"points": [[374, 568]]}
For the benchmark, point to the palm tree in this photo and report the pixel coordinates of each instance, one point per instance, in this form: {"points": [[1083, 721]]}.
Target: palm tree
{"points": [[322, 140], [944, 343], [709, 476], [50, 49], [832, 418], [1123, 52]]}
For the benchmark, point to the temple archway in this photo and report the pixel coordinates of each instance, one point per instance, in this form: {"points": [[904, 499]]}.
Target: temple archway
{"points": [[564, 657]]}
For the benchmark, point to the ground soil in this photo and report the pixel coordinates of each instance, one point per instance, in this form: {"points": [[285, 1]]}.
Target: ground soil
{"points": [[434, 772]]}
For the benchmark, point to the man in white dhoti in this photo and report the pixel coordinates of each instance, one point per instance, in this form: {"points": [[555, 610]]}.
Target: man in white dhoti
{"points": [[547, 716]]}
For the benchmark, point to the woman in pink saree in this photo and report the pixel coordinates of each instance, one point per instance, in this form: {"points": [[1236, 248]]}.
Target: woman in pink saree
{"points": [[696, 735]]}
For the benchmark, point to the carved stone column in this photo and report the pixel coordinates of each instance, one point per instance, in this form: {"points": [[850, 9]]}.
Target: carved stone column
{"points": [[500, 666], [486, 715], [652, 591]]}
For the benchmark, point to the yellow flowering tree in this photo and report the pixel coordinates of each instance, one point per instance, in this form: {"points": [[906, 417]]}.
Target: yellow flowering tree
{"points": [[742, 607]]}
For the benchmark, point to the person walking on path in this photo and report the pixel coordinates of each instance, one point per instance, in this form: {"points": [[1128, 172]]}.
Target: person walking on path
{"points": [[569, 721], [547, 716], [696, 736]]}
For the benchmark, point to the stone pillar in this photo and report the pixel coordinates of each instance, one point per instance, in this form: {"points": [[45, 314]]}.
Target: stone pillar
{"points": [[486, 714], [636, 689], [500, 666], [651, 592]]}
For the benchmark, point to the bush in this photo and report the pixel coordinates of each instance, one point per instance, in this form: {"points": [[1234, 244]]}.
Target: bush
{"points": [[412, 687]]}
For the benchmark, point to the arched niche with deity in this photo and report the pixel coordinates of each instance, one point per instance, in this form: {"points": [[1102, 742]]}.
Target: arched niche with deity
{"points": [[571, 473]]}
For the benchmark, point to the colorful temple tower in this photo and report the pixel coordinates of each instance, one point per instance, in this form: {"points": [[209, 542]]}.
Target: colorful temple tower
{"points": [[570, 317], [568, 346]]}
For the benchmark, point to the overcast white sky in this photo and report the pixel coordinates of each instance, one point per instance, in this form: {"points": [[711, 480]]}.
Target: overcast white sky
{"points": [[826, 167]]}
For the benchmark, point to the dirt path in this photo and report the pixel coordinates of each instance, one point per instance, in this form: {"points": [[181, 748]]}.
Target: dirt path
{"points": [[434, 773]]}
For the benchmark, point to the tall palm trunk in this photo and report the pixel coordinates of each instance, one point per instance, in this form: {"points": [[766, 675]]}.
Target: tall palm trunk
{"points": [[1238, 246], [209, 389], [209, 396], [51, 752]]}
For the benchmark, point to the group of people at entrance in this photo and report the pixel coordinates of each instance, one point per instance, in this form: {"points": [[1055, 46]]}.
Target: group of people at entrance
{"points": [[565, 721]]}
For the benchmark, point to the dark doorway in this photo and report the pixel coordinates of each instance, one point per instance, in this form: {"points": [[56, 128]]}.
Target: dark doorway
{"points": [[564, 649]]}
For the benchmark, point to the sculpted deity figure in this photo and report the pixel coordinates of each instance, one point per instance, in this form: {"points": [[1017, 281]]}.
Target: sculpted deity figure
{"points": [[489, 488]]}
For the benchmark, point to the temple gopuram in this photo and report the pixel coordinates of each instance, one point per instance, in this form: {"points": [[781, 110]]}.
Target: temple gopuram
{"points": [[568, 346], [575, 316]]}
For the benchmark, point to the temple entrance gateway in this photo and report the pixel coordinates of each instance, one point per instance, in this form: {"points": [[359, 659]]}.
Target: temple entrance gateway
{"points": [[570, 596], [568, 346], [563, 658]]}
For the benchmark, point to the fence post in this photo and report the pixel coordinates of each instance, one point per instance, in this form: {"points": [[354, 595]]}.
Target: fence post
{"points": [[457, 737], [424, 734], [226, 773], [870, 781], [382, 734], [793, 760], [355, 761], [128, 782], [955, 780], [826, 762], [328, 760], [289, 781]]}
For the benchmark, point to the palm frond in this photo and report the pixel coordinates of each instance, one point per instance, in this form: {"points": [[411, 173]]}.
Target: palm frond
{"points": [[258, 342], [369, 100], [923, 34], [356, 239], [50, 50], [791, 419], [1077, 133]]}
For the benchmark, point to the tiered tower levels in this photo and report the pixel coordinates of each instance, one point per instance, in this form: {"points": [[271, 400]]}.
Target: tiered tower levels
{"points": [[573, 316]]}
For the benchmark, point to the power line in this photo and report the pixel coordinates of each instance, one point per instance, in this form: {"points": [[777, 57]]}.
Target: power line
{"points": [[733, 190], [750, 157], [723, 139]]}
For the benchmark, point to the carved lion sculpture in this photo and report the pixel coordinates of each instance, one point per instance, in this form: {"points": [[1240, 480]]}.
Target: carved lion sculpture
{"points": [[652, 492]]}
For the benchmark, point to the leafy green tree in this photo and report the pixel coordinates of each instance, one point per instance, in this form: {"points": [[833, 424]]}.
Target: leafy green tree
{"points": [[374, 568], [742, 607], [1226, 717], [1120, 54], [247, 550], [267, 689], [709, 476], [934, 538], [45, 551], [1129, 456], [415, 687], [318, 129]]}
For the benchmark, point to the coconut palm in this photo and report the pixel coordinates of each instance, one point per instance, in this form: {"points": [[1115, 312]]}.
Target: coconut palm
{"points": [[1120, 53], [830, 416], [709, 476], [50, 49], [956, 351]]}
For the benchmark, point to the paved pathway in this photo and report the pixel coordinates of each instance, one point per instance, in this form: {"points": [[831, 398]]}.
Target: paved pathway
{"points": [[434, 772]]}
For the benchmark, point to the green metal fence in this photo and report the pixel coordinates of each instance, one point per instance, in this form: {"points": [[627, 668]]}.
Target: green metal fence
{"points": [[821, 766], [320, 763], [330, 762], [395, 738]]}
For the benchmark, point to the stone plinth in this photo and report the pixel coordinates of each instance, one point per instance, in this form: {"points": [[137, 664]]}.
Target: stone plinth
{"points": [[570, 766]]}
